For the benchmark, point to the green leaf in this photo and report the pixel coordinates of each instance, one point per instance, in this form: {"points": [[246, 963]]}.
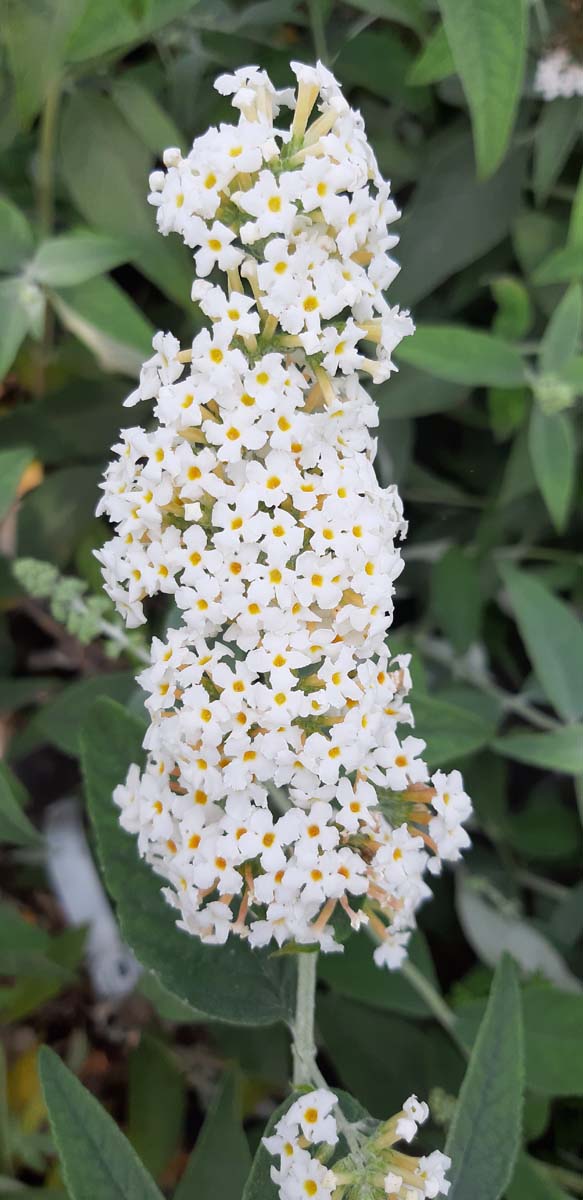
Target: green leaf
{"points": [[484, 1136], [13, 464], [488, 44], [410, 393], [507, 409], [553, 637], [456, 598], [515, 312], [15, 826], [14, 321], [435, 61], [104, 318], [561, 266], [157, 1100], [556, 133], [145, 116], [404, 12], [16, 236], [230, 983], [73, 258], [454, 219], [563, 333], [449, 731], [530, 1181], [98, 1161], [558, 751], [35, 33], [31, 992], [61, 719], [105, 167], [53, 516], [220, 1162], [463, 355], [379, 62], [552, 1038], [354, 974], [553, 452]]}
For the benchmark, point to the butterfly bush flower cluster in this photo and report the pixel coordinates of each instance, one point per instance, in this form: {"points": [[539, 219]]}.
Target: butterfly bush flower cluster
{"points": [[305, 1139], [559, 74], [284, 792]]}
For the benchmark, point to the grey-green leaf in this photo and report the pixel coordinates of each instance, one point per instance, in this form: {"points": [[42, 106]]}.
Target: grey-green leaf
{"points": [[13, 463], [463, 355], [15, 827], [488, 44], [563, 333], [230, 983], [98, 1161], [16, 237], [553, 637], [73, 258], [435, 61], [221, 1160], [561, 750], [484, 1137], [553, 454]]}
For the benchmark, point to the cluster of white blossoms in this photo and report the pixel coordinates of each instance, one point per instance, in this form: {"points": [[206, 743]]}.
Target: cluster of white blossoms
{"points": [[559, 74], [278, 794], [304, 1140]]}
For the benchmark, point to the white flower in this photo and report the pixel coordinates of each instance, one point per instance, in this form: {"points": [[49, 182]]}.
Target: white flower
{"points": [[558, 74], [253, 503]]}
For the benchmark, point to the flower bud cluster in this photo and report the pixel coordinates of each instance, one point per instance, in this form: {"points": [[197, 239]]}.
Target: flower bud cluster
{"points": [[278, 793], [306, 1135]]}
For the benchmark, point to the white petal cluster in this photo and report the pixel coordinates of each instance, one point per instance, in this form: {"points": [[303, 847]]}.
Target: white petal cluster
{"points": [[307, 1125], [558, 74], [279, 793], [304, 1140]]}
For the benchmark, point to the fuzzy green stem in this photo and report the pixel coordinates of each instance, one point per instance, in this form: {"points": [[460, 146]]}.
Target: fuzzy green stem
{"points": [[46, 159], [440, 1010], [304, 1045], [318, 29]]}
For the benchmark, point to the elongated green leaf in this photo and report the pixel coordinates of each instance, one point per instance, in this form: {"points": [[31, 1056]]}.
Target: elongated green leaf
{"points": [[456, 599], [405, 12], [552, 1038], [61, 719], [553, 637], [15, 826], [145, 116], [463, 355], [14, 322], [16, 237], [454, 218], [157, 1098], [98, 1161], [515, 311], [558, 751], [488, 44], [484, 1137], [563, 333], [221, 1160], [530, 1181], [35, 33], [553, 451], [435, 61], [75, 257], [104, 318], [450, 732], [561, 266], [13, 464], [230, 983], [556, 133]]}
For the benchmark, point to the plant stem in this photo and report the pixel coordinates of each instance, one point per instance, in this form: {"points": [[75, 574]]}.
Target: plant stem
{"points": [[572, 1180], [440, 1010], [46, 163], [304, 1045], [318, 29]]}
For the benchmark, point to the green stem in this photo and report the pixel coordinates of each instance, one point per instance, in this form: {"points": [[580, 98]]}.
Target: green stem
{"points": [[434, 1001], [318, 29], [304, 1044], [46, 160]]}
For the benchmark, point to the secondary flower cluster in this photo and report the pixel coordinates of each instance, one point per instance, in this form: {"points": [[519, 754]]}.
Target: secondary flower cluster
{"points": [[277, 791], [559, 74], [304, 1140]]}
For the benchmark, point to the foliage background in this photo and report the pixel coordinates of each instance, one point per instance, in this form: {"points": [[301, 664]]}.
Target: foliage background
{"points": [[479, 429]]}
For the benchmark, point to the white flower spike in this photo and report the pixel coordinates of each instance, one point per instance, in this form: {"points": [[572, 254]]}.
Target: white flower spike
{"points": [[252, 500]]}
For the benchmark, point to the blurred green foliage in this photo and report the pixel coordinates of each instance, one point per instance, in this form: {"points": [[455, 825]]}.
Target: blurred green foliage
{"points": [[480, 428]]}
